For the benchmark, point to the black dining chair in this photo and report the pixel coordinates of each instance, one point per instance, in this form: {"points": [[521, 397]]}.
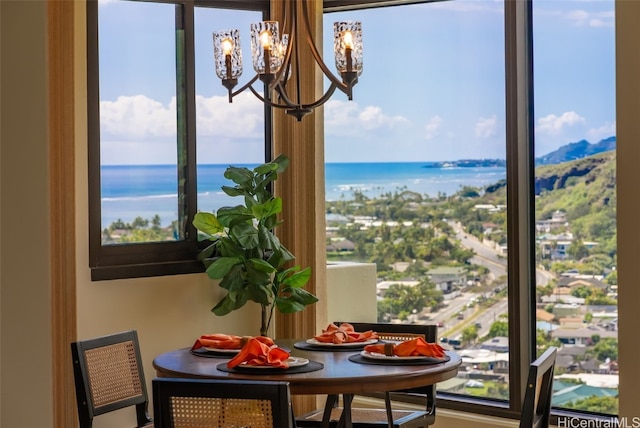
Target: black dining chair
{"points": [[208, 403], [108, 376], [387, 417], [536, 407]]}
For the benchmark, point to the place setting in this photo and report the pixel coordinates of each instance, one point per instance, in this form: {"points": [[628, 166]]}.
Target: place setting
{"points": [[219, 345], [260, 358], [416, 351], [339, 338]]}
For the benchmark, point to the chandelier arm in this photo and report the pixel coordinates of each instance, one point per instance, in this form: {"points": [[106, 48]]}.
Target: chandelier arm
{"points": [[249, 84], [269, 102], [318, 58], [322, 99], [312, 105]]}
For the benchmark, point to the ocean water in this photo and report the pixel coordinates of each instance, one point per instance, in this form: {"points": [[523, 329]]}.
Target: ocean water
{"points": [[146, 190]]}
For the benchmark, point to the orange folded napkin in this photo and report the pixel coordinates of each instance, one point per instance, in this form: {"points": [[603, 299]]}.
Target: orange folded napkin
{"points": [[256, 353], [344, 334], [227, 341], [410, 348]]}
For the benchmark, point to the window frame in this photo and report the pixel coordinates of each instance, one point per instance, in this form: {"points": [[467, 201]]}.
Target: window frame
{"points": [[148, 259], [520, 176]]}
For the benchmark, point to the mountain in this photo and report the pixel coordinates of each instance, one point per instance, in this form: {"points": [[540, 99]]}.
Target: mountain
{"points": [[578, 150]]}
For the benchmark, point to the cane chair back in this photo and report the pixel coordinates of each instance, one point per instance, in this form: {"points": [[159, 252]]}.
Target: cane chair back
{"points": [[207, 403], [109, 376], [536, 407]]}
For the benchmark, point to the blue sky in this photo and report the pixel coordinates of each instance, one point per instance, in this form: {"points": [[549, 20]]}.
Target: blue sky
{"points": [[432, 87]]}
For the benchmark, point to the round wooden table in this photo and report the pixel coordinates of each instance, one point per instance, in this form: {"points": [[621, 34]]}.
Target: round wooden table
{"points": [[338, 376]]}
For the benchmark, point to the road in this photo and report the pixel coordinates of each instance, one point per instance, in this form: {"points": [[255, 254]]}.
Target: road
{"points": [[465, 303]]}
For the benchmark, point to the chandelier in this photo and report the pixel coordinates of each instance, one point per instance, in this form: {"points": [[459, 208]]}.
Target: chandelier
{"points": [[276, 58]]}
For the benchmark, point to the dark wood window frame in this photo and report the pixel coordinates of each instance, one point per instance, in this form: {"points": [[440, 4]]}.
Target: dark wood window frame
{"points": [[154, 258]]}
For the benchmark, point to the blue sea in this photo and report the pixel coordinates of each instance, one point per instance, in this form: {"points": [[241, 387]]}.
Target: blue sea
{"points": [[146, 190]]}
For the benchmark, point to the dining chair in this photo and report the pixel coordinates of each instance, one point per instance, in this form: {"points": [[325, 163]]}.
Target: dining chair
{"points": [[208, 403], [387, 417], [536, 407], [108, 376]]}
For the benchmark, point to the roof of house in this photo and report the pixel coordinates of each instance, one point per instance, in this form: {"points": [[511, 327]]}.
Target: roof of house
{"points": [[543, 315], [580, 392]]}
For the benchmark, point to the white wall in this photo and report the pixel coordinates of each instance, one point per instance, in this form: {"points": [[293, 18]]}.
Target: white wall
{"points": [[25, 336]]}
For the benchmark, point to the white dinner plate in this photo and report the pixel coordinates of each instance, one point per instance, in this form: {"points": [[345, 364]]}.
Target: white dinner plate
{"points": [[377, 356], [222, 351], [315, 342], [293, 362]]}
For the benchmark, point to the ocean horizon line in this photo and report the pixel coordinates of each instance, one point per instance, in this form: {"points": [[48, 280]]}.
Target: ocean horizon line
{"points": [[327, 163]]}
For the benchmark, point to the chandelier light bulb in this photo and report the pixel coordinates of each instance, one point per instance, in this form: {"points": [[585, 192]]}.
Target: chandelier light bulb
{"points": [[227, 46], [348, 39], [265, 39]]}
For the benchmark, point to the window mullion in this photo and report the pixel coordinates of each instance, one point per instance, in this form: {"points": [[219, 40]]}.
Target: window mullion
{"points": [[520, 191], [186, 114]]}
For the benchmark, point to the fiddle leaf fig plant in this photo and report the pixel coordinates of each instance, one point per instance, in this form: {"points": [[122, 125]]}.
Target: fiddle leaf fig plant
{"points": [[245, 255]]}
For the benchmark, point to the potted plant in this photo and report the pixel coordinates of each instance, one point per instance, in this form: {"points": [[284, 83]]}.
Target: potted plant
{"points": [[245, 255]]}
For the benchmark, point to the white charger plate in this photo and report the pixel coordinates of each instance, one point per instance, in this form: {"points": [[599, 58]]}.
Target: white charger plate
{"points": [[292, 361], [377, 356], [316, 342], [221, 350]]}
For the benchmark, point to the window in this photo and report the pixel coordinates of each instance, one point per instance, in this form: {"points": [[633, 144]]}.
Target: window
{"points": [[161, 131], [575, 218], [434, 181]]}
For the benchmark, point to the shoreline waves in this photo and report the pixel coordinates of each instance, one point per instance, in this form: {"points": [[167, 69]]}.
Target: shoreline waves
{"points": [[147, 190]]}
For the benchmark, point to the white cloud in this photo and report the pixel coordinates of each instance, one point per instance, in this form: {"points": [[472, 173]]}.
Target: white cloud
{"points": [[607, 130], [345, 118], [468, 6], [581, 18], [138, 117], [432, 127], [554, 125], [486, 126], [141, 118], [243, 118]]}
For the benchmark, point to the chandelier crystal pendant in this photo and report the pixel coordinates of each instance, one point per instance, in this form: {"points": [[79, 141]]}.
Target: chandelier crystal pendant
{"points": [[276, 59]]}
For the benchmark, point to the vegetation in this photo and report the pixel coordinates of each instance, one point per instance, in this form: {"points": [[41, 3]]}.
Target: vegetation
{"points": [[245, 255], [608, 405]]}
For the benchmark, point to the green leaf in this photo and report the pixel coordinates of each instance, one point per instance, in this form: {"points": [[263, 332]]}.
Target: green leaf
{"points": [[209, 251], [207, 223], [246, 234], [294, 300], [266, 168], [256, 277], [229, 215], [239, 175], [222, 266], [271, 207], [262, 265], [282, 161], [261, 295], [229, 303], [296, 279], [232, 191], [234, 281]]}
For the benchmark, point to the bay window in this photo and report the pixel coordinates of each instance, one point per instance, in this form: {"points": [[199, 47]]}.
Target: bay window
{"points": [[453, 170]]}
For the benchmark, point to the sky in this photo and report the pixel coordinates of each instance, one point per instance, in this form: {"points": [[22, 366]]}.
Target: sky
{"points": [[432, 88]]}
